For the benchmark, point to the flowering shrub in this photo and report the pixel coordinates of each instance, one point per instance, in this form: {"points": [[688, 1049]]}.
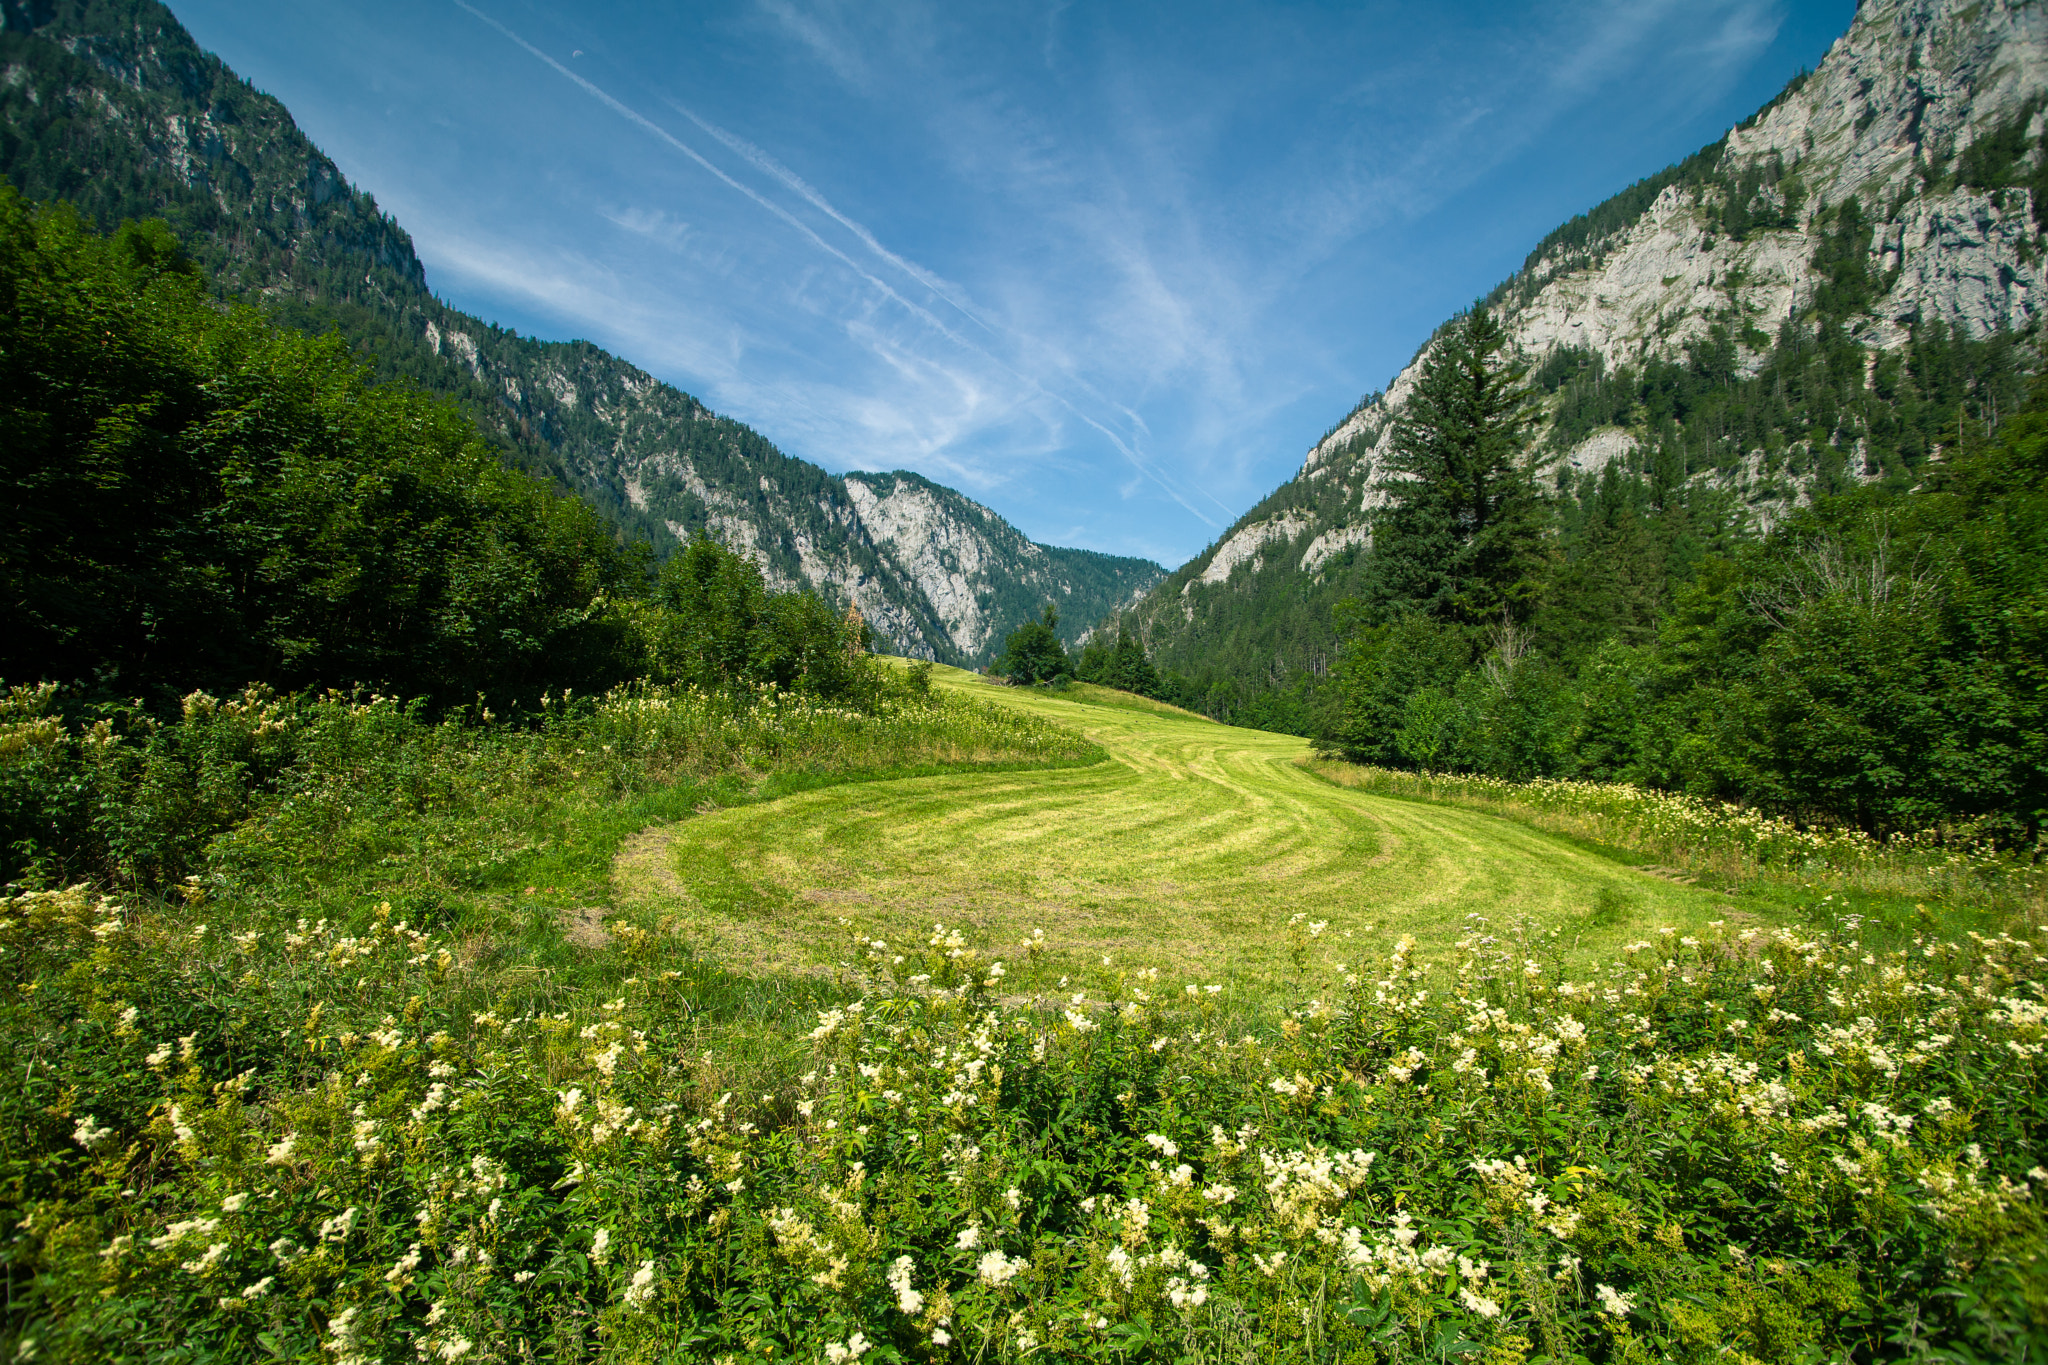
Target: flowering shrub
{"points": [[342, 1143], [1718, 836], [129, 799]]}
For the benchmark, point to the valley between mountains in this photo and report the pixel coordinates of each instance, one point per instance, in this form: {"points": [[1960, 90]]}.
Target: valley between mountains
{"points": [[1188, 850]]}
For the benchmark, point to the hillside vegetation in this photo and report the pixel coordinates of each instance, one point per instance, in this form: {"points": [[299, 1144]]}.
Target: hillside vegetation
{"points": [[1831, 304], [353, 1094], [111, 107], [1873, 663], [203, 500]]}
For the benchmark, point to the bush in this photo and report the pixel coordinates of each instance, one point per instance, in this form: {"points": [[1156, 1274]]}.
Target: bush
{"points": [[1033, 653], [199, 501], [335, 1138]]}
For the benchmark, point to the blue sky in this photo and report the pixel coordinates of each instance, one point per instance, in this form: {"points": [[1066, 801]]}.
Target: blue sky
{"points": [[1109, 268]]}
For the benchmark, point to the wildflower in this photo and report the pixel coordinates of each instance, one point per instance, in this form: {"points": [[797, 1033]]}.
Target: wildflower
{"points": [[908, 1300], [969, 1238], [405, 1265], [234, 1202], [997, 1270], [280, 1152], [853, 1348], [1619, 1305], [366, 1140], [207, 1260], [600, 1246], [88, 1136], [1478, 1303], [641, 1291], [337, 1228], [258, 1289]]}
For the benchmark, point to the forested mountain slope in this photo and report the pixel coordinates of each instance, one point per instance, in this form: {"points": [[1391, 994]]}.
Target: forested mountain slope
{"points": [[1817, 299], [109, 104]]}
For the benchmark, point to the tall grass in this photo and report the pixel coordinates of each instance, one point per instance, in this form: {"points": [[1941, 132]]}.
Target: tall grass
{"points": [[324, 1143], [262, 786], [1723, 841]]}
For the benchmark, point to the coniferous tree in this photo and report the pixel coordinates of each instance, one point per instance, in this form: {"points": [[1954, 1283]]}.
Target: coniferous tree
{"points": [[1462, 539]]}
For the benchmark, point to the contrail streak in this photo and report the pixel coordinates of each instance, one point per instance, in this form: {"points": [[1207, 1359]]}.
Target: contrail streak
{"points": [[766, 163], [648, 125]]}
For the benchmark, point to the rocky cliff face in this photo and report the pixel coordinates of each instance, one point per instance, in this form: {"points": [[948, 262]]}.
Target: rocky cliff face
{"points": [[1729, 240], [109, 104], [979, 573]]}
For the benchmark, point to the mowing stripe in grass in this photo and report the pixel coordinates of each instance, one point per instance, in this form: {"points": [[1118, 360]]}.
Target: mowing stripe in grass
{"points": [[1189, 851]]}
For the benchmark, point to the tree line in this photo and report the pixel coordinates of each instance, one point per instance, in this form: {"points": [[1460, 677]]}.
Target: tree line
{"points": [[1875, 660], [199, 499]]}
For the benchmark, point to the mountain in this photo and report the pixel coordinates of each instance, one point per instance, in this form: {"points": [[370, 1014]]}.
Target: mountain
{"points": [[1817, 298], [111, 106]]}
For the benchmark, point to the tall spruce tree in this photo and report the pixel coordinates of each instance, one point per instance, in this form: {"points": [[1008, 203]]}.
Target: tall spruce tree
{"points": [[1463, 537]]}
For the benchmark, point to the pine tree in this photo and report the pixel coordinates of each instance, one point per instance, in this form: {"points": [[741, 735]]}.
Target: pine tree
{"points": [[1462, 538]]}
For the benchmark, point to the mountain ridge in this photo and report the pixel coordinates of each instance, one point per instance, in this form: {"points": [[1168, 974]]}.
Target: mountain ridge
{"points": [[111, 105], [1925, 116]]}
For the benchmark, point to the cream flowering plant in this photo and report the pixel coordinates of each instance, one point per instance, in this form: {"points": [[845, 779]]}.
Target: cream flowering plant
{"points": [[344, 1094], [321, 1145]]}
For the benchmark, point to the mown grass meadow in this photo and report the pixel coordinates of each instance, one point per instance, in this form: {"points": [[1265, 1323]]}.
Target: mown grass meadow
{"points": [[353, 1095]]}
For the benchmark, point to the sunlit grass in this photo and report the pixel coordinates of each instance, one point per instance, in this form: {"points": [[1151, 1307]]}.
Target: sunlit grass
{"points": [[1190, 851]]}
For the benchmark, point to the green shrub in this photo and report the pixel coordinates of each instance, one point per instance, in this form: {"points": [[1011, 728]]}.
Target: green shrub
{"points": [[317, 1139], [198, 501]]}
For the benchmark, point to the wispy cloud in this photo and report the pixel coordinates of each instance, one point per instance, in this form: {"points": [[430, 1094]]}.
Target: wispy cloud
{"points": [[1048, 253], [653, 224], [761, 161], [1121, 441]]}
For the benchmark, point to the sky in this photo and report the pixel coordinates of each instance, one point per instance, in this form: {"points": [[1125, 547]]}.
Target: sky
{"points": [[1109, 268]]}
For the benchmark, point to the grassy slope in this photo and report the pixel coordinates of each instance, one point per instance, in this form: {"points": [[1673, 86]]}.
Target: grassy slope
{"points": [[1188, 851]]}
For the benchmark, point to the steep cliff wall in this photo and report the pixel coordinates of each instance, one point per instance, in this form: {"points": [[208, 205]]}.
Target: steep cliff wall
{"points": [[1928, 113]]}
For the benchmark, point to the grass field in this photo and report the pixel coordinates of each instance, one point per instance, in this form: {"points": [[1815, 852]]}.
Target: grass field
{"points": [[1189, 850], [363, 1102]]}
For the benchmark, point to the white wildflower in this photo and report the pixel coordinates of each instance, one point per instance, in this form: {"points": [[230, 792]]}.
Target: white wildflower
{"points": [[908, 1300], [641, 1291]]}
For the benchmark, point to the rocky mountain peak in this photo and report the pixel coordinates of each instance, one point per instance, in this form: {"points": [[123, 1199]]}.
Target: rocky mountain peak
{"points": [[1894, 197]]}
